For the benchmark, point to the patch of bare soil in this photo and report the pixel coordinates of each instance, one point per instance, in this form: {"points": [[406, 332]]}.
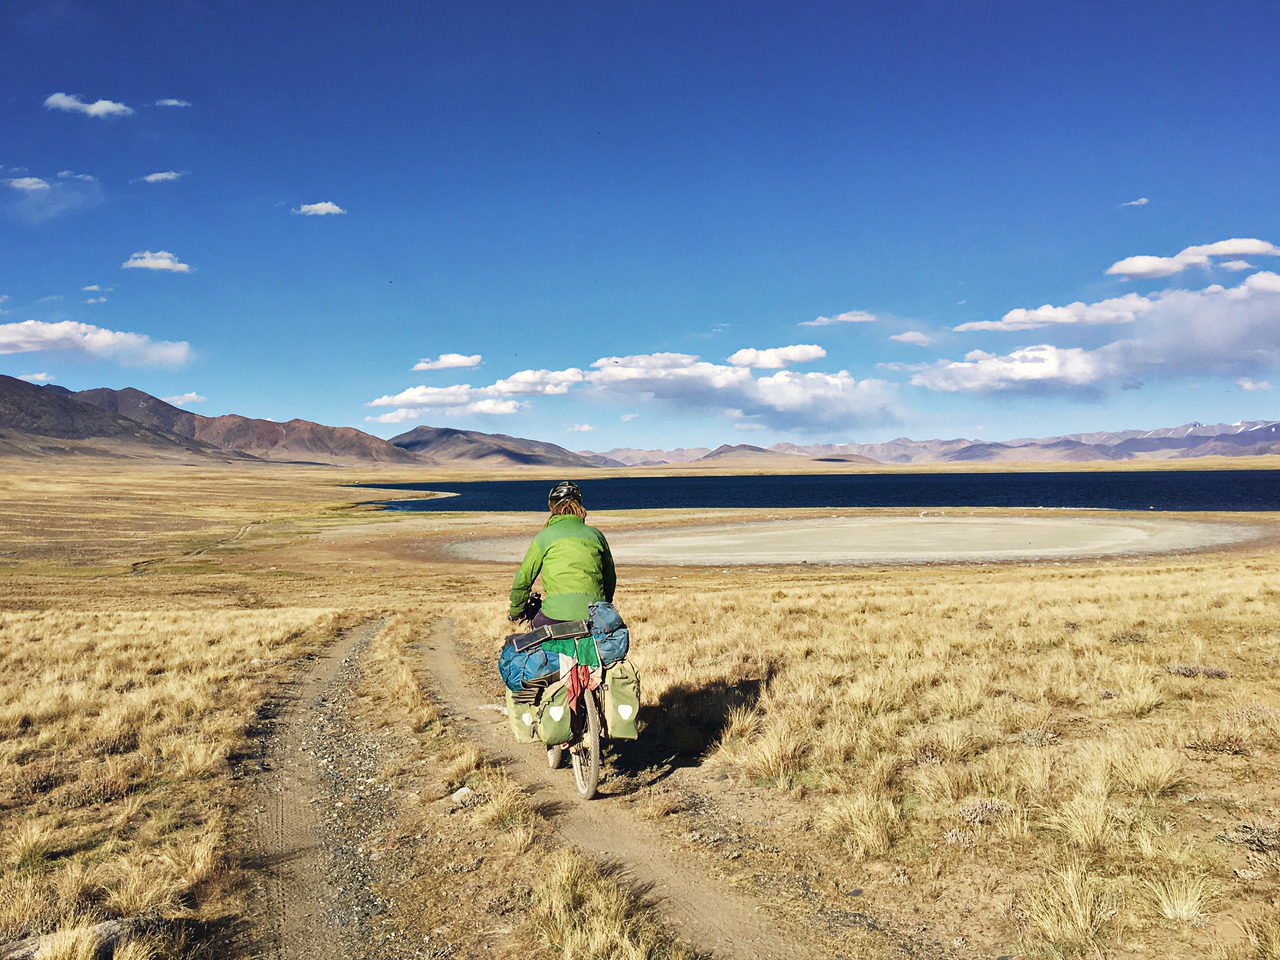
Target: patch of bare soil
{"points": [[326, 884]]}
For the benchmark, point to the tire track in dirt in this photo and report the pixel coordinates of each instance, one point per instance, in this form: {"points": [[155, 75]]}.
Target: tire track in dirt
{"points": [[296, 881], [700, 908]]}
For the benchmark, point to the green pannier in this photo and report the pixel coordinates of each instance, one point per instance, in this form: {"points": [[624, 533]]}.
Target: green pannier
{"points": [[621, 700], [555, 721], [522, 717]]}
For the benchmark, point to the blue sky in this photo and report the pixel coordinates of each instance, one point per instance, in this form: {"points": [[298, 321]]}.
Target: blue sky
{"points": [[588, 209]]}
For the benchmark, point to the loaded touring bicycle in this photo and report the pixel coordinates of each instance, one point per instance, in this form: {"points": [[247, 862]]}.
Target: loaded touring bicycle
{"points": [[569, 686]]}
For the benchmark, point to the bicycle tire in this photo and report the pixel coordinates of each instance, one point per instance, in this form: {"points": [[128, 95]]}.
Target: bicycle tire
{"points": [[555, 756], [585, 754]]}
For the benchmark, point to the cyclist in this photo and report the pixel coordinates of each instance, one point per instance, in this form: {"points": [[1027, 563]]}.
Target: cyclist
{"points": [[573, 559]]}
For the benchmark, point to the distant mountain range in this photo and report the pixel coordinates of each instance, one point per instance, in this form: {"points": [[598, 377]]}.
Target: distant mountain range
{"points": [[54, 421], [1243, 439]]}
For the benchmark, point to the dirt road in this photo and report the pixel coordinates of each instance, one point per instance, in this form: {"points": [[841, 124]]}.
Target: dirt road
{"points": [[705, 912]]}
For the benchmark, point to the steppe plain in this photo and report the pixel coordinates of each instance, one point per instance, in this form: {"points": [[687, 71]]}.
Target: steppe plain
{"points": [[1070, 757]]}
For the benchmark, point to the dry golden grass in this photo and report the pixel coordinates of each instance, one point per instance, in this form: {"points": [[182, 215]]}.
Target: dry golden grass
{"points": [[1029, 711], [578, 913], [116, 731], [989, 719]]}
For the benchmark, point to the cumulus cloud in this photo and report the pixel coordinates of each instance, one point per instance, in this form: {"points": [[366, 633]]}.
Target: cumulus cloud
{"points": [[448, 361], [774, 358], [850, 316], [1236, 265], [628, 417], [536, 383], [916, 337], [133, 349], [183, 399], [156, 260], [1149, 267], [171, 102], [1227, 331], [95, 300], [579, 428], [94, 287], [72, 175], [785, 399], [72, 103], [27, 183], [321, 209], [1115, 310], [37, 377], [486, 405], [162, 176], [1248, 384], [1140, 202]]}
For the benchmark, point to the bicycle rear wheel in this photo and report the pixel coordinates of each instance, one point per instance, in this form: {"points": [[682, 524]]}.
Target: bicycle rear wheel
{"points": [[585, 754]]}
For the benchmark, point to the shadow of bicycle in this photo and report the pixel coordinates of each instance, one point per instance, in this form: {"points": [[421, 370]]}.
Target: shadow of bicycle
{"points": [[680, 727]]}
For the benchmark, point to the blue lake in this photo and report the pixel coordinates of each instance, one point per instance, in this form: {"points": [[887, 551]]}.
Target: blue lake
{"points": [[1178, 490]]}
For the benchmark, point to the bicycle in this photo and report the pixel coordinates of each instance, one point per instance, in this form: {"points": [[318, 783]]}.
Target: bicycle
{"points": [[586, 724], [583, 744]]}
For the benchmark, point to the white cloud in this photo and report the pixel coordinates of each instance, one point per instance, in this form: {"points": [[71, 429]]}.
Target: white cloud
{"points": [[93, 288], [1140, 202], [3, 298], [96, 300], [747, 425], [133, 349], [535, 383], [171, 102], [1227, 331], [182, 399], [162, 176], [48, 299], [99, 108], [774, 358], [157, 260], [28, 183], [487, 406], [324, 208], [72, 175], [850, 316], [1245, 383], [37, 377], [913, 336], [628, 417], [1236, 265], [1149, 267], [783, 399], [1043, 364], [1124, 309], [448, 361], [579, 428]]}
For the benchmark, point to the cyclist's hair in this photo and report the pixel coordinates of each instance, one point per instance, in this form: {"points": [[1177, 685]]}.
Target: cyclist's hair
{"points": [[562, 508]]}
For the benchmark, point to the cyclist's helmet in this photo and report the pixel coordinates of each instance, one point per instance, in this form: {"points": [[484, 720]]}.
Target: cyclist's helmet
{"points": [[564, 490]]}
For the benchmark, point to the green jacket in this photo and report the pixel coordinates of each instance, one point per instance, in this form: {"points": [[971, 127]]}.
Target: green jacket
{"points": [[576, 568]]}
